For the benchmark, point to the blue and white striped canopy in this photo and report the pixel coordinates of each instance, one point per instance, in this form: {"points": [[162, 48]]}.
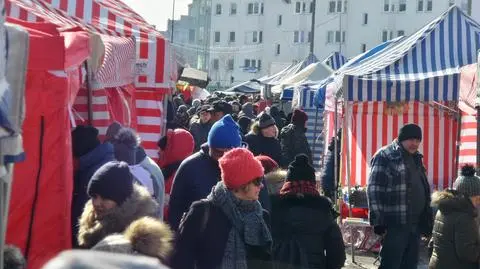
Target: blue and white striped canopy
{"points": [[337, 77], [412, 69], [335, 60]]}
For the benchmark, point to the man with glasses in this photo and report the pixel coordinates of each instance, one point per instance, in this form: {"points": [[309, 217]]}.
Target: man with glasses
{"points": [[200, 172]]}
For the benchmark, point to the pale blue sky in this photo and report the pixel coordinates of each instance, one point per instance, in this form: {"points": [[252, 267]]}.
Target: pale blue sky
{"points": [[157, 12]]}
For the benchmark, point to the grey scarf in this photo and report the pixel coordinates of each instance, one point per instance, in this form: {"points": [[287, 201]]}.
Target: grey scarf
{"points": [[249, 228]]}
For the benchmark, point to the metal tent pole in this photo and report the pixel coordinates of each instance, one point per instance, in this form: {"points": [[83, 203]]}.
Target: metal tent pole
{"points": [[335, 151], [315, 136]]}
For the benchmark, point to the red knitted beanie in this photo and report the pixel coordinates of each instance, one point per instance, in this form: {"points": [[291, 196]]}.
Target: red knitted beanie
{"points": [[269, 165], [239, 167]]}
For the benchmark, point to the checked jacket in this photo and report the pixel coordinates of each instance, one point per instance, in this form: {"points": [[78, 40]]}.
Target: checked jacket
{"points": [[389, 187]]}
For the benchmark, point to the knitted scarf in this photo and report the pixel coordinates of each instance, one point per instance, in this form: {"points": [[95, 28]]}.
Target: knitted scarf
{"points": [[249, 228], [299, 187]]}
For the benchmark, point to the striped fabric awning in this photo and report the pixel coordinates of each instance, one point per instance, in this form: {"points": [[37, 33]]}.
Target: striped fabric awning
{"points": [[448, 42], [335, 60], [155, 66], [468, 140], [376, 124], [433, 86]]}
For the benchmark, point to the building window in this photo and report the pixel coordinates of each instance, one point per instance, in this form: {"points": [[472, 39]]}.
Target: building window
{"points": [[231, 64], [337, 6], [279, 20], [330, 37], [365, 18], [400, 33], [233, 9], [247, 63], [259, 64], [309, 37], [420, 5], [331, 6], [387, 35], [231, 37], [255, 37], [296, 36], [277, 49], [216, 64], [255, 8], [312, 7], [260, 37], [338, 37], [402, 5], [429, 5], [191, 35], [218, 9], [298, 7], [363, 48], [217, 37], [424, 5]]}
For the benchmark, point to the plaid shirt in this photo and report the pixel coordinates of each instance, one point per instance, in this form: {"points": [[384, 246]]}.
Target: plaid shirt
{"points": [[389, 186]]}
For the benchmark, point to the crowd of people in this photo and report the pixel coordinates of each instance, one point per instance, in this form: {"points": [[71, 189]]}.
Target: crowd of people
{"points": [[234, 187]]}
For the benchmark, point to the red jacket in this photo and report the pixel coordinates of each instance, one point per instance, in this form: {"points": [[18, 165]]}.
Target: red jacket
{"points": [[180, 145]]}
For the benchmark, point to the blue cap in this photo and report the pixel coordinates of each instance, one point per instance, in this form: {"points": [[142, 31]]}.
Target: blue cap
{"points": [[224, 134]]}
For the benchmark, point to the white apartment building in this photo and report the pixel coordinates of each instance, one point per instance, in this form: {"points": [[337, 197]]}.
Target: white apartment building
{"points": [[248, 39]]}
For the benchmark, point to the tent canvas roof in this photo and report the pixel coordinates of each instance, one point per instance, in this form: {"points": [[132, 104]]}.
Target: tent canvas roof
{"points": [[448, 42]]}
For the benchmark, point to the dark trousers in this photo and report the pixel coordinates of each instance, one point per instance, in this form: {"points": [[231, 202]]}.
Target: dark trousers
{"points": [[400, 248]]}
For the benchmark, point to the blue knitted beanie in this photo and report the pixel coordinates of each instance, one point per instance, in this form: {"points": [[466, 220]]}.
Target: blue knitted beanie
{"points": [[224, 134]]}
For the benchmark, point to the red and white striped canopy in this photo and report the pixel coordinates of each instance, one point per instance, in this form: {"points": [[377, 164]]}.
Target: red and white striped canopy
{"points": [[376, 124]]}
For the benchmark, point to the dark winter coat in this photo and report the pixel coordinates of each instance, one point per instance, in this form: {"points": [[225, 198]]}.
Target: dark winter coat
{"points": [[305, 233], [200, 132], [202, 239], [194, 180], [456, 242], [261, 145], [87, 166], [293, 141], [389, 187], [139, 204], [328, 175]]}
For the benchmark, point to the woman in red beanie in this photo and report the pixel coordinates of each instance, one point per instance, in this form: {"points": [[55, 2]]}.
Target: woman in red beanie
{"points": [[228, 230]]}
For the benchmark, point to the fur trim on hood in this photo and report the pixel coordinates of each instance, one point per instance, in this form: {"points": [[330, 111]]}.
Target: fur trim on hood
{"points": [[92, 230], [450, 201], [145, 236], [275, 180], [255, 129]]}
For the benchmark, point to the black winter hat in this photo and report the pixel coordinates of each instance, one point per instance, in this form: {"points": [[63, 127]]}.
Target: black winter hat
{"points": [[410, 131], [222, 106], [300, 169], [84, 140], [265, 120], [112, 181]]}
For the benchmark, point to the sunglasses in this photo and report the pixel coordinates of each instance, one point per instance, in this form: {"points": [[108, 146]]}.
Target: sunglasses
{"points": [[258, 182]]}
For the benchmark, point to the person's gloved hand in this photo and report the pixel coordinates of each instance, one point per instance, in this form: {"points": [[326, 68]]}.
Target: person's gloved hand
{"points": [[379, 229]]}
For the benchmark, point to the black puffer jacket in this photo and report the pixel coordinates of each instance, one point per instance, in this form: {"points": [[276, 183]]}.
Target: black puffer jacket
{"points": [[261, 145], [455, 237], [305, 234]]}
